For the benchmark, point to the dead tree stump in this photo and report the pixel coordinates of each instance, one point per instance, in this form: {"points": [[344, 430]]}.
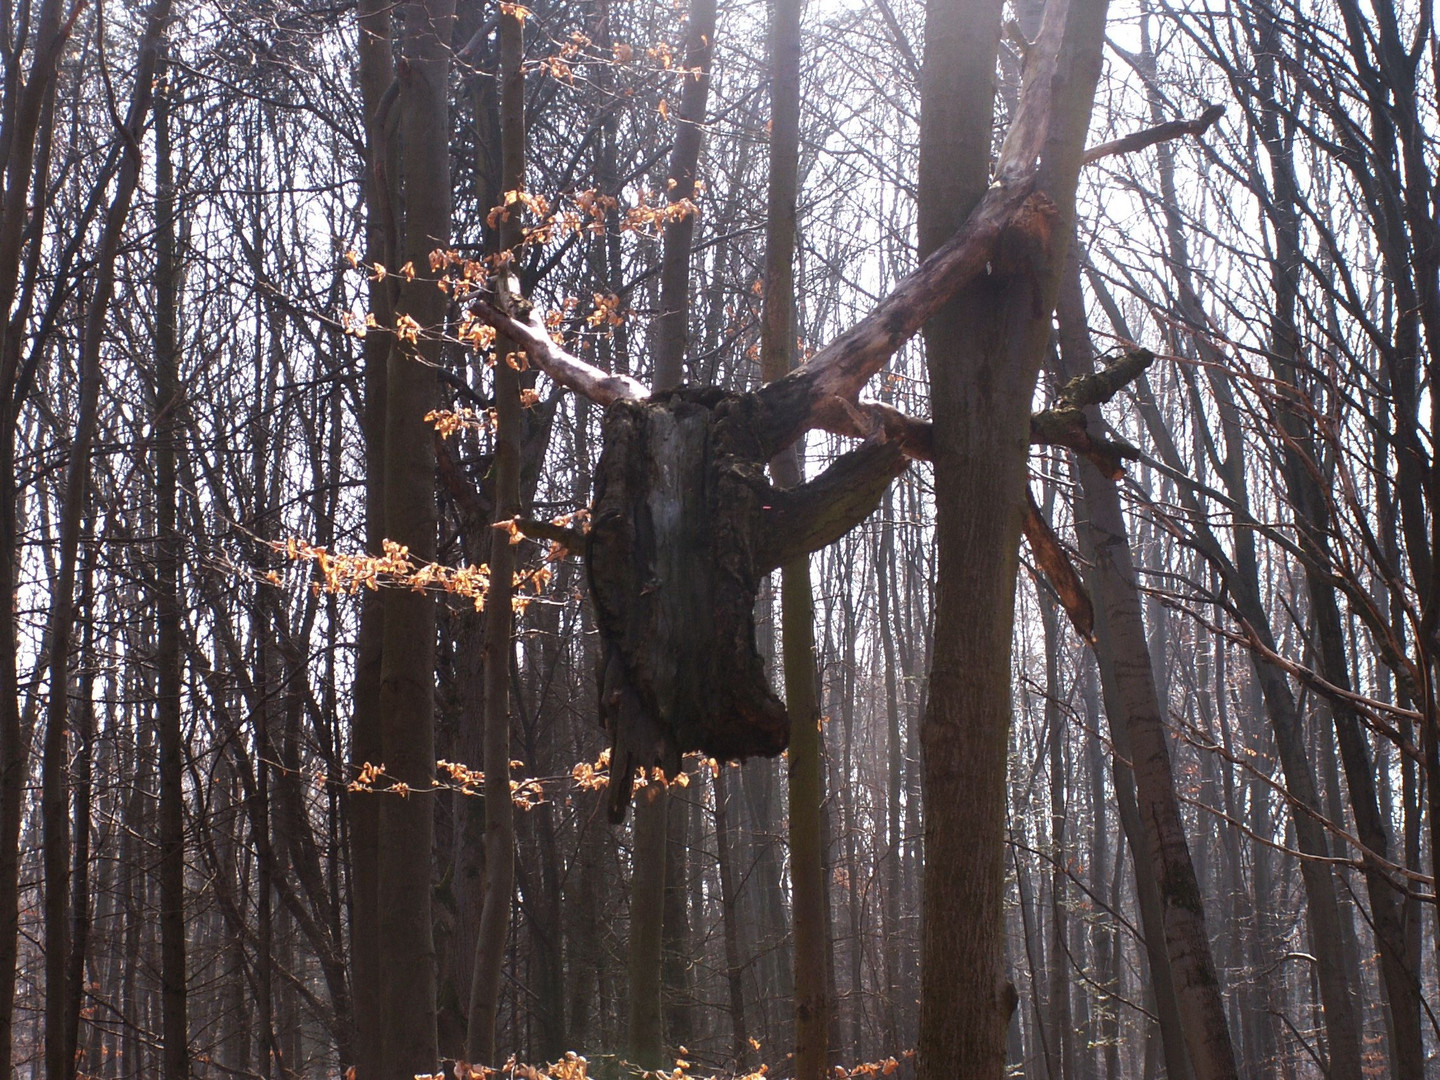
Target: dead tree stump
{"points": [[683, 526]]}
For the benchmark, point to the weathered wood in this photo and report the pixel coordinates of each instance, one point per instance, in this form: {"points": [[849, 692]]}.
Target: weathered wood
{"points": [[805, 519], [1052, 560], [566, 369], [683, 525], [825, 391], [842, 368], [1065, 423]]}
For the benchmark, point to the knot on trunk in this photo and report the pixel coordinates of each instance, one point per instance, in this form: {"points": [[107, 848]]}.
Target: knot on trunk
{"points": [[683, 526]]}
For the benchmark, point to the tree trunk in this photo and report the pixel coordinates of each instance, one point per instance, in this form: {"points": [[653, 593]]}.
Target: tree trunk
{"points": [[1131, 699], [174, 998], [375, 76], [407, 668], [777, 357], [672, 325], [645, 1038], [983, 352], [55, 803], [499, 610], [729, 914], [27, 133]]}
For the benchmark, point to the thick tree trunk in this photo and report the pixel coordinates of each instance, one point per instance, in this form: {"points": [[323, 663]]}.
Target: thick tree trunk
{"points": [[684, 525], [983, 352]]}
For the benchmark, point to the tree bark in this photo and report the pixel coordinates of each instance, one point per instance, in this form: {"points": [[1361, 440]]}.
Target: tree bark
{"points": [[672, 325], [645, 1032], [499, 610], [376, 73], [174, 1000], [407, 667], [1131, 700], [983, 352], [777, 358], [729, 914], [55, 788]]}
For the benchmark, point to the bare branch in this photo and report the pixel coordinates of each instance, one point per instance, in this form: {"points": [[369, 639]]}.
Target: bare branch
{"points": [[565, 368], [1139, 140]]}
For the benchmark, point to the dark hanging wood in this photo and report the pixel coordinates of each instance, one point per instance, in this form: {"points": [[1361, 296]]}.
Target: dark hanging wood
{"points": [[684, 524]]}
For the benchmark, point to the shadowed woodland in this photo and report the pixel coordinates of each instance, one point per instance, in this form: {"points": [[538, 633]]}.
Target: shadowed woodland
{"points": [[718, 539]]}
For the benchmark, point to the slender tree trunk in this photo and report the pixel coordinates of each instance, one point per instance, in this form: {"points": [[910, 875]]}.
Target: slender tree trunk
{"points": [[895, 757], [777, 356], [1132, 700], [1312, 518], [55, 789], [499, 613], [174, 1001], [672, 325], [27, 132], [1063, 1052], [645, 1038], [375, 76], [675, 957], [729, 914], [407, 670]]}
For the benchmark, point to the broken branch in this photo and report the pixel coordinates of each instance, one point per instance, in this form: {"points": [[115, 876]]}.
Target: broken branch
{"points": [[796, 402], [571, 539], [1064, 423]]}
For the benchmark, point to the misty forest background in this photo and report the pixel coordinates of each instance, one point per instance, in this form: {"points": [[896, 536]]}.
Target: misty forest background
{"points": [[200, 212]]}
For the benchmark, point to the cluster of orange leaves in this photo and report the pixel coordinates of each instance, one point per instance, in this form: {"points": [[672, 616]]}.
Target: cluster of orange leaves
{"points": [[607, 311], [589, 776], [871, 1069], [526, 793], [449, 421], [574, 1067], [571, 1067], [347, 574], [458, 275], [580, 49]]}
